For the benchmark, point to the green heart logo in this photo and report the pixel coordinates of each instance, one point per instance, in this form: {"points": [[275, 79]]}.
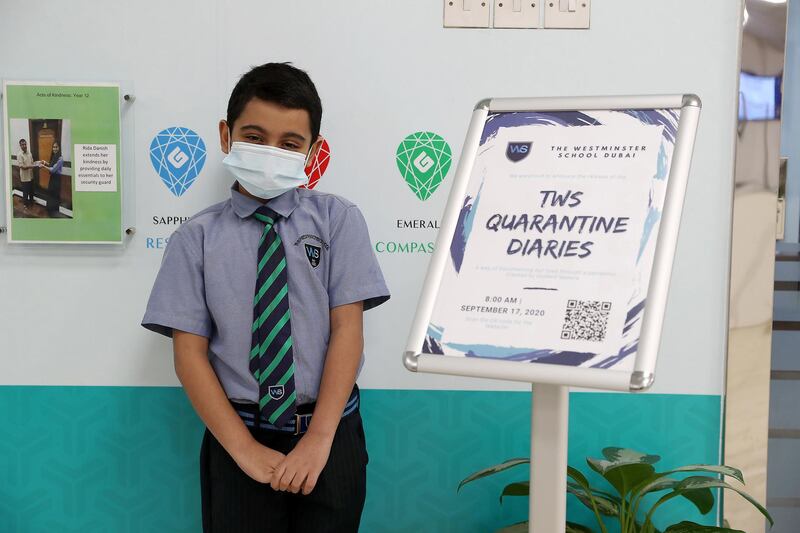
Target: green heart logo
{"points": [[424, 159]]}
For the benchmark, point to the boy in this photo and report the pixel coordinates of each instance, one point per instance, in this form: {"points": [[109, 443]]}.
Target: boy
{"points": [[263, 296]]}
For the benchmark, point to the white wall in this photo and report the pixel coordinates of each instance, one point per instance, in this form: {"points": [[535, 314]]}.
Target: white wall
{"points": [[384, 70], [18, 130]]}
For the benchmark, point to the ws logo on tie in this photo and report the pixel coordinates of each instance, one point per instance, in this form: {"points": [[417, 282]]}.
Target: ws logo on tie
{"points": [[516, 152], [276, 392], [178, 155]]}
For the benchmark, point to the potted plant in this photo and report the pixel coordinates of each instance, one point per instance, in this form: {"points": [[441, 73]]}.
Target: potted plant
{"points": [[632, 476]]}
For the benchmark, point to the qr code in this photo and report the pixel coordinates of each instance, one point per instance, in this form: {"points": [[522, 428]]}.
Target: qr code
{"points": [[586, 320]]}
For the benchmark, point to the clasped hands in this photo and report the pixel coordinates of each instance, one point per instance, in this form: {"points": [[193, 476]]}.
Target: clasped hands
{"points": [[296, 472]]}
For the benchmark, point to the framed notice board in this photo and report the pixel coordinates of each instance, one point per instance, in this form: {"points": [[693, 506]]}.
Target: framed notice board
{"points": [[554, 256], [62, 162]]}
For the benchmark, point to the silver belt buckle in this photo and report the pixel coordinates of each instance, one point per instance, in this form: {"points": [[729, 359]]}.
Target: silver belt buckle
{"points": [[297, 418]]}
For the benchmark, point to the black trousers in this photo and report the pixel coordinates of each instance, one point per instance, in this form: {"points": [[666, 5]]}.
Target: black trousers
{"points": [[27, 192], [53, 193], [234, 502]]}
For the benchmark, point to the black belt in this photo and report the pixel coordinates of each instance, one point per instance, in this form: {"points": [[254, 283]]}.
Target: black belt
{"points": [[296, 425]]}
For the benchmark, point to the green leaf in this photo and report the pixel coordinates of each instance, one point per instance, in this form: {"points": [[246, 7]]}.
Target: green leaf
{"points": [[519, 527], [577, 475], [703, 499], [521, 488], [654, 484], [599, 465], [716, 469], [572, 527], [627, 456], [691, 527], [604, 505], [624, 468], [510, 463], [616, 457], [581, 480], [583, 483], [625, 477], [706, 482]]}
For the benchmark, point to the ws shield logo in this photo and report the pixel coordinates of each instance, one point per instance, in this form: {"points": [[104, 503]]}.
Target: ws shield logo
{"points": [[313, 253], [516, 152], [275, 392]]}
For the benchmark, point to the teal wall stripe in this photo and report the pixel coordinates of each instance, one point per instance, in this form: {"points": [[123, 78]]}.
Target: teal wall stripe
{"points": [[125, 459]]}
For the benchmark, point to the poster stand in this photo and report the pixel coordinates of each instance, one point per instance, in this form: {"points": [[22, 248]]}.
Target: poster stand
{"points": [[547, 504], [430, 350]]}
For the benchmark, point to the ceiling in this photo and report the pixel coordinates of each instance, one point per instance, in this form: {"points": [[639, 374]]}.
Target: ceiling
{"points": [[767, 22]]}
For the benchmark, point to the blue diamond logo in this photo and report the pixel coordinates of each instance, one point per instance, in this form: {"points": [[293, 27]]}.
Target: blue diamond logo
{"points": [[178, 155]]}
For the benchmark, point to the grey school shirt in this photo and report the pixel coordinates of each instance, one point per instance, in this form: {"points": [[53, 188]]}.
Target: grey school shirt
{"points": [[207, 280]]}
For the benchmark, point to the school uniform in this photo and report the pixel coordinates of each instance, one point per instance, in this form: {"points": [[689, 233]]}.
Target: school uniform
{"points": [[206, 285]]}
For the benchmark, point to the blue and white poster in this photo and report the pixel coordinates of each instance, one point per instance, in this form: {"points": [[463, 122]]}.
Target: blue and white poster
{"points": [[552, 253]]}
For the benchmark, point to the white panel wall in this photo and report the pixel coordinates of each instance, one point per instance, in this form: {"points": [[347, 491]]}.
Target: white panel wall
{"points": [[384, 70]]}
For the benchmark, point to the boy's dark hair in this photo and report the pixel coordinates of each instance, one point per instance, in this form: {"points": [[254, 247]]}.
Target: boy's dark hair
{"points": [[282, 84], [23, 141]]}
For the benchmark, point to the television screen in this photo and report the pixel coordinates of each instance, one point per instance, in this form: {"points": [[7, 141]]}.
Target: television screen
{"points": [[759, 97]]}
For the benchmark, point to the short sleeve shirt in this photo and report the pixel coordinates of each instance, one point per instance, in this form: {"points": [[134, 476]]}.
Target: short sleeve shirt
{"points": [[207, 279]]}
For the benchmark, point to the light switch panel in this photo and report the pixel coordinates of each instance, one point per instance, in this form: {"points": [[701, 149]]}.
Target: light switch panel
{"points": [[516, 13], [567, 13], [466, 13]]}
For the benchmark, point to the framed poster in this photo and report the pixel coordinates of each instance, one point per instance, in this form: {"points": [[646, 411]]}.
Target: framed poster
{"points": [[555, 252], [62, 162]]}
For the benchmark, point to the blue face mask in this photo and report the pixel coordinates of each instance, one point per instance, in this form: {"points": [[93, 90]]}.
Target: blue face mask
{"points": [[266, 171]]}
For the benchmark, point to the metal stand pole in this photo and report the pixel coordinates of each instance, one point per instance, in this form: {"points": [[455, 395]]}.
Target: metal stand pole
{"points": [[548, 486]]}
